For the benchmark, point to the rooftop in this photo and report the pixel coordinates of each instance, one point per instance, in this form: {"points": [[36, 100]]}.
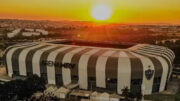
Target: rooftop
{"points": [[105, 44]]}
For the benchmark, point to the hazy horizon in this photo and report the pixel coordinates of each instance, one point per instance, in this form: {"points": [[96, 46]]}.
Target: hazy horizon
{"points": [[91, 22], [136, 11]]}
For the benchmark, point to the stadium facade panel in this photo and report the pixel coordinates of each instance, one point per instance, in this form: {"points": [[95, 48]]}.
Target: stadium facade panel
{"points": [[95, 68]]}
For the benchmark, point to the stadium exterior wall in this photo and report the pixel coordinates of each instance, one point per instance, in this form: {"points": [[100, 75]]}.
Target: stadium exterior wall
{"points": [[92, 67]]}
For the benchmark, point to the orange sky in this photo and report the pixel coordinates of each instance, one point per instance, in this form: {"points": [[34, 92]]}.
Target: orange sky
{"points": [[123, 11]]}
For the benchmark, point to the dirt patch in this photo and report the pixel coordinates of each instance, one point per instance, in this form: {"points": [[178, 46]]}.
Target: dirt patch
{"points": [[3, 74], [2, 71]]}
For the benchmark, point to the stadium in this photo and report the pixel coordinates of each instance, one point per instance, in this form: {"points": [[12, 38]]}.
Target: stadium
{"points": [[93, 65]]}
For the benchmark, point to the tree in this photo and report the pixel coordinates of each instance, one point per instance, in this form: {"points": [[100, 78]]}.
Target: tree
{"points": [[125, 93], [177, 42], [23, 89], [34, 84], [131, 95]]}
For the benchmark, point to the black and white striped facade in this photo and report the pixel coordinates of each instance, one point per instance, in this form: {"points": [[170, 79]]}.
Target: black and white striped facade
{"points": [[124, 67]]}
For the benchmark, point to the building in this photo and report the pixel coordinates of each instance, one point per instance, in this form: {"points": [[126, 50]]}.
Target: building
{"points": [[176, 71], [92, 67]]}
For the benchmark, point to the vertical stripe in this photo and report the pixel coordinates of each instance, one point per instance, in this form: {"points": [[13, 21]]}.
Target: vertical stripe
{"points": [[92, 63], [163, 56], [136, 71], [100, 69], [9, 62], [112, 69], [146, 63], [44, 56], [22, 58], [136, 66], [164, 73], [29, 58], [112, 65], [15, 59], [66, 72], [158, 69], [5, 56], [164, 70], [168, 54], [59, 58], [165, 53], [124, 72], [36, 60], [51, 69], [9, 59], [91, 68], [75, 60], [82, 70]]}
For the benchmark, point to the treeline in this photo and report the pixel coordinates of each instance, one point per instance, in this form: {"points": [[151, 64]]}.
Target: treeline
{"points": [[21, 89]]}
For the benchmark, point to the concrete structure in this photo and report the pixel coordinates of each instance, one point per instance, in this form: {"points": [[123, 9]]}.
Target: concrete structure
{"points": [[176, 71], [95, 68]]}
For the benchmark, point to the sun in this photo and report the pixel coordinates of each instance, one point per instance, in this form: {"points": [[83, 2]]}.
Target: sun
{"points": [[101, 12]]}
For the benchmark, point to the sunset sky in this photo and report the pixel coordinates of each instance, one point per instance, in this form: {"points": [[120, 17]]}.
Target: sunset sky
{"points": [[123, 11]]}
